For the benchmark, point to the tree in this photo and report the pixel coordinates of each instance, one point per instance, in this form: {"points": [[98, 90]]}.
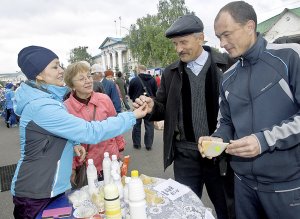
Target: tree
{"points": [[146, 38], [80, 54]]}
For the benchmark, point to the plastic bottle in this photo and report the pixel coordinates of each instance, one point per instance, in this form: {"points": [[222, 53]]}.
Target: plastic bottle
{"points": [[115, 166], [136, 195], [124, 167], [118, 183], [106, 165], [112, 202], [92, 176], [127, 180]]}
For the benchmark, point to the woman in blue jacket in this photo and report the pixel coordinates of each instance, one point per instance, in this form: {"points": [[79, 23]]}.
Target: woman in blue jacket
{"points": [[49, 134]]}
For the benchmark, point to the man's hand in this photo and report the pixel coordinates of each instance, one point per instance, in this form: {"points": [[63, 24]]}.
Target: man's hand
{"points": [[244, 147], [206, 138], [141, 100], [80, 152]]}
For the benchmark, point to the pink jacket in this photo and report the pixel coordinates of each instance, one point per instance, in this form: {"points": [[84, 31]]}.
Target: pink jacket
{"points": [[104, 109]]}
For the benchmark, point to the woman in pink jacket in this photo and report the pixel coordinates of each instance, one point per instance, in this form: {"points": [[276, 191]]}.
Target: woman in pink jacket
{"points": [[82, 103]]}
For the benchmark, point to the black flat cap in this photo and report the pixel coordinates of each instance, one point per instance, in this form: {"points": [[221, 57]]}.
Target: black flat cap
{"points": [[185, 25]]}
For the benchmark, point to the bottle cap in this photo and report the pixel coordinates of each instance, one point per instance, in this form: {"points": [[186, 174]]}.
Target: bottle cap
{"points": [[135, 173], [90, 161], [114, 157], [127, 179], [116, 177], [106, 154]]}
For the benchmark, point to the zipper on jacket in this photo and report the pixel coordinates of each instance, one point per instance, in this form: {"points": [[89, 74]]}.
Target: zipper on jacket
{"points": [[252, 114], [242, 61]]}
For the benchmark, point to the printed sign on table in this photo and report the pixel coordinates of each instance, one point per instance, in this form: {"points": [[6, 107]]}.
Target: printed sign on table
{"points": [[172, 189]]}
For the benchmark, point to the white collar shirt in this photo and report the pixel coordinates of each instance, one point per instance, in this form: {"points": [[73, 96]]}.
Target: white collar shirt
{"points": [[197, 65]]}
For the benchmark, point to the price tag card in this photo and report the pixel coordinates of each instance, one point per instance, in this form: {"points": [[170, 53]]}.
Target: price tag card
{"points": [[172, 189]]}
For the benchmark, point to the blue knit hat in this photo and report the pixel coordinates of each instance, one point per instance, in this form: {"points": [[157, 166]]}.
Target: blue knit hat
{"points": [[34, 59]]}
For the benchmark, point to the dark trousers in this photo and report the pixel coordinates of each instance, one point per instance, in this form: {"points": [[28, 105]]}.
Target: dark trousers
{"points": [[194, 171], [29, 208], [254, 204], [10, 117], [149, 133]]}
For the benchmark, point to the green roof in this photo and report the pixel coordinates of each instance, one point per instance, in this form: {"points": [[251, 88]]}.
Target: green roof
{"points": [[266, 25]]}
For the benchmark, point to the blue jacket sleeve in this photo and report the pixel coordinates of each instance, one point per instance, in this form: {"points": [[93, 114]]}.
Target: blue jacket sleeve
{"points": [[55, 119]]}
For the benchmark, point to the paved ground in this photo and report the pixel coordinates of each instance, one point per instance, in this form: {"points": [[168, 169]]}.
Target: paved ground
{"points": [[147, 162]]}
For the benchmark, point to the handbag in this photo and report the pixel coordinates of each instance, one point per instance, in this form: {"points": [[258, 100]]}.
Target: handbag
{"points": [[80, 179]]}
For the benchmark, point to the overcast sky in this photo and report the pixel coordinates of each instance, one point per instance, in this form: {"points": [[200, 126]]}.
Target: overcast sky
{"points": [[62, 25]]}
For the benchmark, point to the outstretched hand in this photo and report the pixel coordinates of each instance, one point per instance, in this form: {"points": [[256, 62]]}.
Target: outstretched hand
{"points": [[141, 100], [141, 111]]}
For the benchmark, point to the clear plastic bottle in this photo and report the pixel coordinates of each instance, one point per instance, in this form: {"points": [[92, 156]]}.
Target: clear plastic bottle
{"points": [[118, 183], [106, 165], [136, 195], [127, 180], [112, 202], [92, 176], [115, 166]]}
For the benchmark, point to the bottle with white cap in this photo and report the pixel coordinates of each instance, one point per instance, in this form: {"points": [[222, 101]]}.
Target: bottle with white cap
{"points": [[136, 195], [112, 202], [106, 165], [118, 183], [127, 180], [92, 176]]}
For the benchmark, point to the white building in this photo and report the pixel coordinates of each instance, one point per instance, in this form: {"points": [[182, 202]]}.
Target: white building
{"points": [[115, 55], [282, 28], [13, 77]]}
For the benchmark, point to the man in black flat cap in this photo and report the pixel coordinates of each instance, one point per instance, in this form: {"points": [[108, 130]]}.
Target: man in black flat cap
{"points": [[188, 102]]}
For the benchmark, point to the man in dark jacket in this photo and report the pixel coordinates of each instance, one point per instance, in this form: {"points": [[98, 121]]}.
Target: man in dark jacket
{"points": [[188, 102], [142, 83]]}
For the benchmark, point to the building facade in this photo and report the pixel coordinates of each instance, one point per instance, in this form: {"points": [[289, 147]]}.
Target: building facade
{"points": [[115, 55], [282, 28]]}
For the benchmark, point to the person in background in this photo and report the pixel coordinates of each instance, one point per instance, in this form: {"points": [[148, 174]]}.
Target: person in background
{"points": [[97, 74], [157, 79], [142, 83], [259, 116], [82, 103], [122, 87], [49, 134], [187, 101], [110, 87], [10, 119]]}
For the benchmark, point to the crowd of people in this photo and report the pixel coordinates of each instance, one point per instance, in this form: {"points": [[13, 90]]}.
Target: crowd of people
{"points": [[248, 97]]}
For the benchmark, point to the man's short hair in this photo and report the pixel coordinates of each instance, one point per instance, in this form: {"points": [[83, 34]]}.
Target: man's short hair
{"points": [[240, 11]]}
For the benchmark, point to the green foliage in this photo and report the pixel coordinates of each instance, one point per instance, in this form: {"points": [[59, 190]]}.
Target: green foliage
{"points": [[80, 54], [147, 40]]}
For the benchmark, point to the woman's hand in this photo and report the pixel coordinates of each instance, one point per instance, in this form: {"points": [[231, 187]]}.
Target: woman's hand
{"points": [[80, 152], [141, 111]]}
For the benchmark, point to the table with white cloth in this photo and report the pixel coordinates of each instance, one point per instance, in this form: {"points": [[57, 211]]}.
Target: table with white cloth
{"points": [[186, 206]]}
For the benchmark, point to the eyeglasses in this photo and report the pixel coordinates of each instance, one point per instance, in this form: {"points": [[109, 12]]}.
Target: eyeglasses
{"points": [[84, 79]]}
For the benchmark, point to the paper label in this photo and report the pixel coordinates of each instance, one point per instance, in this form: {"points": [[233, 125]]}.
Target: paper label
{"points": [[172, 189]]}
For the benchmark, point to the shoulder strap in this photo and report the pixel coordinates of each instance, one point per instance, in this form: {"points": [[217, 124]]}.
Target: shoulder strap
{"points": [[146, 93]]}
